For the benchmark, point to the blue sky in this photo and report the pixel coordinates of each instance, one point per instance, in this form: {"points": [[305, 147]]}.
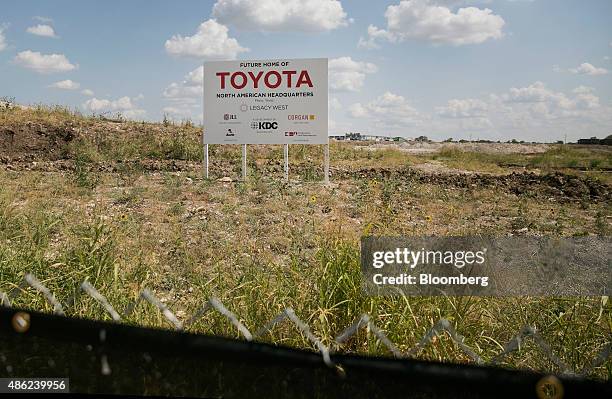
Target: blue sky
{"points": [[494, 69]]}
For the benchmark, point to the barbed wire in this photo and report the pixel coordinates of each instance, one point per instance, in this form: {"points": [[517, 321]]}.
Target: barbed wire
{"points": [[365, 321]]}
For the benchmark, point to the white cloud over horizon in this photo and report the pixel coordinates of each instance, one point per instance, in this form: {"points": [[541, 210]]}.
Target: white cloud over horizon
{"points": [[345, 74], [44, 63], [125, 106], [443, 68], [435, 23], [186, 96], [517, 110], [211, 41], [191, 86], [388, 110], [465, 108], [281, 15]]}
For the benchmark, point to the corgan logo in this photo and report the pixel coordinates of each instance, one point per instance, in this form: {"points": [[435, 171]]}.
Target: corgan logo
{"points": [[264, 125], [228, 117], [301, 117]]}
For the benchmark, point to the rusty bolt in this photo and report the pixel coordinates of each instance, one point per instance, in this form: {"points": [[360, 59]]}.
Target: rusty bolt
{"points": [[21, 322]]}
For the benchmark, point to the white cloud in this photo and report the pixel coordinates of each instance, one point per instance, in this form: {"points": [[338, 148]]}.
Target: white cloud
{"points": [[65, 85], [538, 93], [529, 112], [124, 105], [87, 92], [45, 20], [348, 75], [334, 104], [211, 41], [178, 90], [538, 112], [42, 30], [467, 114], [3, 43], [536, 106], [96, 104], [375, 35], [427, 20], [186, 96], [191, 86], [583, 90], [585, 98], [44, 63], [387, 110], [135, 113], [281, 15], [587, 69], [178, 112], [466, 108]]}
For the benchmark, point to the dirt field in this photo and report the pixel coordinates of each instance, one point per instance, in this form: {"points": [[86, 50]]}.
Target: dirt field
{"points": [[124, 205]]}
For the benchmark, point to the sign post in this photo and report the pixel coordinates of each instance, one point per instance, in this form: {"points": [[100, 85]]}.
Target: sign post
{"points": [[206, 161], [326, 167], [279, 101]]}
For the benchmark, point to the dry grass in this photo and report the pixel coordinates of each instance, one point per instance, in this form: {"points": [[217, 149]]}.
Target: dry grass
{"points": [[263, 245]]}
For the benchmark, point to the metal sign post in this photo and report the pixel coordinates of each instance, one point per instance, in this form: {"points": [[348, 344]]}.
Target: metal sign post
{"points": [[244, 162], [206, 161], [286, 156], [326, 168]]}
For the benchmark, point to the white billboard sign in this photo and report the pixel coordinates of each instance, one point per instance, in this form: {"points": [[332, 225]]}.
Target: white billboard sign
{"points": [[280, 101]]}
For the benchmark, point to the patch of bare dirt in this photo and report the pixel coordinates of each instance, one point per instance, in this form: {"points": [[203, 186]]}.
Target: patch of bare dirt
{"points": [[559, 186], [35, 141], [417, 148], [434, 166]]}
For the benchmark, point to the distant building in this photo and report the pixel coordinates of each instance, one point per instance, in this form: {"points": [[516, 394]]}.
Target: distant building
{"points": [[595, 140], [364, 137], [376, 138]]}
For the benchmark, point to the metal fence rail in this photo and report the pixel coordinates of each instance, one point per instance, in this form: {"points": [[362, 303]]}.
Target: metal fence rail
{"points": [[116, 358], [213, 304]]}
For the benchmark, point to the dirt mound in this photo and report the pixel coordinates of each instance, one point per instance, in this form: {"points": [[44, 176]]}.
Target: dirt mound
{"points": [[35, 141], [556, 185], [487, 148], [41, 149]]}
